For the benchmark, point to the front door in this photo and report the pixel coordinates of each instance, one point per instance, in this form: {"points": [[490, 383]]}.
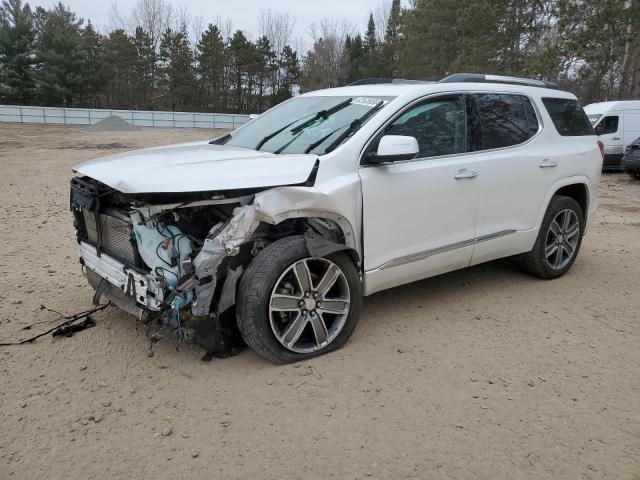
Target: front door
{"points": [[610, 132], [419, 215]]}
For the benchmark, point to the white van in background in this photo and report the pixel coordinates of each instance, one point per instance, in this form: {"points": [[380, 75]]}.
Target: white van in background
{"points": [[617, 124]]}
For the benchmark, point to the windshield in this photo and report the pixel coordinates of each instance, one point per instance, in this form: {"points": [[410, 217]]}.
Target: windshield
{"points": [[307, 124], [594, 117]]}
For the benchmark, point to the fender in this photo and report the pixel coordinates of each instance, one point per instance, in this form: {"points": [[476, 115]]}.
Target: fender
{"points": [[563, 182], [280, 204], [273, 207]]}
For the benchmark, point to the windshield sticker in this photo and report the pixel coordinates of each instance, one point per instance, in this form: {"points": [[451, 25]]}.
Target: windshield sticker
{"points": [[367, 101]]}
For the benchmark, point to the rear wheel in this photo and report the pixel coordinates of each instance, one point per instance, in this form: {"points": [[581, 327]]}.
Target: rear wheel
{"points": [[292, 307], [634, 174], [558, 241]]}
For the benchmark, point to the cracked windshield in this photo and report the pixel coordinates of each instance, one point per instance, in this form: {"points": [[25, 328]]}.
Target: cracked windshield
{"points": [[308, 124]]}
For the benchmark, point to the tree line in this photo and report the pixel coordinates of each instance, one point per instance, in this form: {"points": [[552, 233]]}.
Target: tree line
{"points": [[158, 58], [591, 47], [51, 57]]}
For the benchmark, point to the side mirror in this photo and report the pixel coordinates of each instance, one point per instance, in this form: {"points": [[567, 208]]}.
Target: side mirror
{"points": [[393, 148]]}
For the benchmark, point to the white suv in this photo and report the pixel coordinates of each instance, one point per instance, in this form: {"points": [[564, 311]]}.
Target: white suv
{"points": [[276, 230]]}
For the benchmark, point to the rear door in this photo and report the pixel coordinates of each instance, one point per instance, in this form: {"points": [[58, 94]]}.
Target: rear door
{"points": [[515, 172]]}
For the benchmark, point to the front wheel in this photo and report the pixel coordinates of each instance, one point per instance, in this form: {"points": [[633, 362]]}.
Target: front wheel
{"points": [[292, 307], [558, 241], [634, 174]]}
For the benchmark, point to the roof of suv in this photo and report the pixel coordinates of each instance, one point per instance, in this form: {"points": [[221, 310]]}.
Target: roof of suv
{"points": [[420, 89]]}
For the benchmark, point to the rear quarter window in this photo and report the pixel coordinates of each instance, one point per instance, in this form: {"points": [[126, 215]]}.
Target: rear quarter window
{"points": [[568, 117]]}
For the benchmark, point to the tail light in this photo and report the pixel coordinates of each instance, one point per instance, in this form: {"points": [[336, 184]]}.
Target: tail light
{"points": [[601, 147]]}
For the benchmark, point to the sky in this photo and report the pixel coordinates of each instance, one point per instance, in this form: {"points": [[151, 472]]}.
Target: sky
{"points": [[243, 13]]}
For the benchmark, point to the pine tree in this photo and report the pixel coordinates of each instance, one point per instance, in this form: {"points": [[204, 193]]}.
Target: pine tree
{"points": [[437, 34], [144, 69], [392, 40], [241, 82], [392, 33], [176, 60], [60, 58], [93, 68], [288, 73], [265, 67], [212, 66], [356, 59], [374, 65], [16, 53], [120, 59], [371, 39]]}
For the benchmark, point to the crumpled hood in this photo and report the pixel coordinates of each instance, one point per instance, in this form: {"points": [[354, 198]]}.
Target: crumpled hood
{"points": [[197, 167]]}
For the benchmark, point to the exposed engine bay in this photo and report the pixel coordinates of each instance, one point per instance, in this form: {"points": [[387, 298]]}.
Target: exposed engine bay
{"points": [[174, 260]]}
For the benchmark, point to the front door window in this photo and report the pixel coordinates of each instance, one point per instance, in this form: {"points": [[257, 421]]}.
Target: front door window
{"points": [[438, 125], [608, 125]]}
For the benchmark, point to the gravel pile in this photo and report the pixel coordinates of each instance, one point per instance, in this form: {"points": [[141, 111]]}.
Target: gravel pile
{"points": [[112, 124]]}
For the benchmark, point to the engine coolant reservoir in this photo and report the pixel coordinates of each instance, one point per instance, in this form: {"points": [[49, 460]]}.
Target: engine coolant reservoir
{"points": [[163, 248]]}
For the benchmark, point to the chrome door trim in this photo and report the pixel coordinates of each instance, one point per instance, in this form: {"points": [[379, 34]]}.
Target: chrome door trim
{"points": [[416, 257], [493, 236]]}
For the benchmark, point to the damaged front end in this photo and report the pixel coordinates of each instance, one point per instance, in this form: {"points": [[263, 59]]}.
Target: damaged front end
{"points": [[168, 260], [175, 260]]}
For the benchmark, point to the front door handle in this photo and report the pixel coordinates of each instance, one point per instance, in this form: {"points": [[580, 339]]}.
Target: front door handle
{"points": [[617, 138], [548, 164], [464, 173]]}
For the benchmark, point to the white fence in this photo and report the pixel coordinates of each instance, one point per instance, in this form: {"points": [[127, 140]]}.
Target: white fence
{"points": [[87, 116]]}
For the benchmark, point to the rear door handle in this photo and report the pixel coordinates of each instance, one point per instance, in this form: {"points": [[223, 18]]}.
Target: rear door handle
{"points": [[616, 138], [464, 173], [548, 164]]}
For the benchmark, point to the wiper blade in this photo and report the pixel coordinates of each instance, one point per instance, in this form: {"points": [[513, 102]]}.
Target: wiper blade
{"points": [[324, 114], [298, 129], [277, 132], [352, 127]]}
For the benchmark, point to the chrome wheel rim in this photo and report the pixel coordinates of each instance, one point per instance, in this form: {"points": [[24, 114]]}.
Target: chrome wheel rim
{"points": [[562, 239], [309, 305]]}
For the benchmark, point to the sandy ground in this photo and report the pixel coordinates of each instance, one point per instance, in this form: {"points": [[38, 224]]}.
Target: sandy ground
{"points": [[483, 373]]}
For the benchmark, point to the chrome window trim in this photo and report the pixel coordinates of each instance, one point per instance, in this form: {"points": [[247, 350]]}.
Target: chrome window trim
{"points": [[416, 257], [400, 112]]}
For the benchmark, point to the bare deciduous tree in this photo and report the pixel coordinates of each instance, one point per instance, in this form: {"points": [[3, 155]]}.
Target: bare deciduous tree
{"points": [[154, 16], [116, 20], [198, 27], [381, 17], [182, 18], [225, 25], [325, 63], [277, 27]]}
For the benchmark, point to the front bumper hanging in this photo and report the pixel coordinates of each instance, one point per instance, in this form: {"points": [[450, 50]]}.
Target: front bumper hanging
{"points": [[144, 289]]}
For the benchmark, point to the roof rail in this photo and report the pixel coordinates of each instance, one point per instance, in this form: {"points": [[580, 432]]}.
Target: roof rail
{"points": [[380, 81], [481, 78]]}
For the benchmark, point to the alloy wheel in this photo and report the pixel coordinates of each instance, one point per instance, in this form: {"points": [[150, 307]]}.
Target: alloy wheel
{"points": [[562, 239], [309, 305]]}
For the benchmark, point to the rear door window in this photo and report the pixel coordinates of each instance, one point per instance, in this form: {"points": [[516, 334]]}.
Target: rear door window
{"points": [[503, 120], [568, 117]]}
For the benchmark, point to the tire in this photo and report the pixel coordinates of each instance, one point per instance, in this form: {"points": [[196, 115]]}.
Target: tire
{"points": [[542, 261], [268, 332], [634, 174]]}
